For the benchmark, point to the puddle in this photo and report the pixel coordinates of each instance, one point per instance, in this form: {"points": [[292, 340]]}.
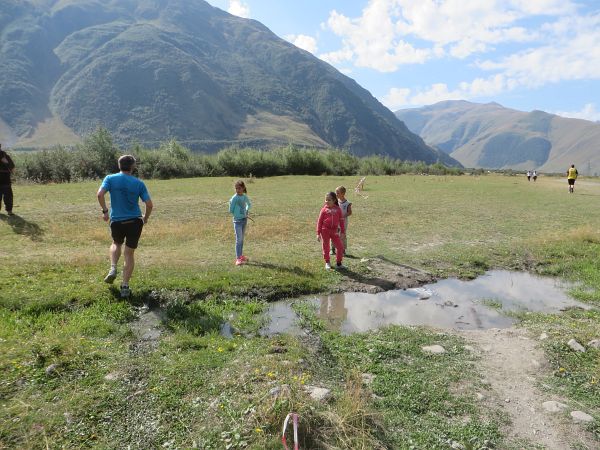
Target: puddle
{"points": [[450, 303], [147, 328], [283, 319]]}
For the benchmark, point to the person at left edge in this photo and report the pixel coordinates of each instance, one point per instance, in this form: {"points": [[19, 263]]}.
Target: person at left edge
{"points": [[126, 220], [7, 167]]}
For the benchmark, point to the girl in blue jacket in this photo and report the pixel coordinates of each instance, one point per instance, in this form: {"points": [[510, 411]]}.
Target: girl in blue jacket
{"points": [[239, 205]]}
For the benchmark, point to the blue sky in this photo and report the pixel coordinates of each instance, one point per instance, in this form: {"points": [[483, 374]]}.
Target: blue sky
{"points": [[523, 54]]}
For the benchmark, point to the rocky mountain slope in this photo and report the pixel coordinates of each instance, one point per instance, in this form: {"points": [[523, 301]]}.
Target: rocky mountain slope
{"points": [[491, 136], [151, 70]]}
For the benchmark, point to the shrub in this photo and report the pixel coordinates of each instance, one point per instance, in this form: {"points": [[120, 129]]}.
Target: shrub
{"points": [[98, 156]]}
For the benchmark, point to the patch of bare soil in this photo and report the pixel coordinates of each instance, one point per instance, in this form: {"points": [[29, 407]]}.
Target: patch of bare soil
{"points": [[513, 364], [380, 274]]}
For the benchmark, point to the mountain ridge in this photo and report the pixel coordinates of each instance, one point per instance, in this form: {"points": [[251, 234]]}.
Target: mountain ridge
{"points": [[152, 70], [488, 135]]}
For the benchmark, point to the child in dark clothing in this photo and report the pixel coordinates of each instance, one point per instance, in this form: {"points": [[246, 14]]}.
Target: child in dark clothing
{"points": [[7, 166]]}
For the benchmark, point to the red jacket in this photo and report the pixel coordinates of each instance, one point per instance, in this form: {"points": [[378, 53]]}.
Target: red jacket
{"points": [[330, 219]]}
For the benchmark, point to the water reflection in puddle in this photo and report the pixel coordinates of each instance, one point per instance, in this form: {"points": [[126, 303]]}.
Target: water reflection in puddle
{"points": [[450, 303]]}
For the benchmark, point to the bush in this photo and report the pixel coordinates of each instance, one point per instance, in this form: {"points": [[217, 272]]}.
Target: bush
{"points": [[97, 157]]}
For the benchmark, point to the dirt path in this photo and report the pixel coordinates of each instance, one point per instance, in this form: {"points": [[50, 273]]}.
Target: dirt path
{"points": [[512, 364]]}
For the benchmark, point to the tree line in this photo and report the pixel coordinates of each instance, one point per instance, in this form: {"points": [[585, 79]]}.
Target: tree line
{"points": [[97, 156]]}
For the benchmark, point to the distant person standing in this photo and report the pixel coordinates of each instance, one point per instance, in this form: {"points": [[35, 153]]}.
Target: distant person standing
{"points": [[534, 175], [7, 167], [126, 221], [529, 175], [571, 177]]}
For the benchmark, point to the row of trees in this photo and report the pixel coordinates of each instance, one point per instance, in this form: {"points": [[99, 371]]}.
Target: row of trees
{"points": [[97, 156]]}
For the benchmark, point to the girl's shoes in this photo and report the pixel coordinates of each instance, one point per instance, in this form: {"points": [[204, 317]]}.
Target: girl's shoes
{"points": [[241, 260]]}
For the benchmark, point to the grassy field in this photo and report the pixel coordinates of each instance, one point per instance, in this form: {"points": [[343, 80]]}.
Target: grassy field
{"points": [[74, 372]]}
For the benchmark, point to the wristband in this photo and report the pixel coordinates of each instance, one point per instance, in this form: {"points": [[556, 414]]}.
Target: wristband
{"points": [[104, 211]]}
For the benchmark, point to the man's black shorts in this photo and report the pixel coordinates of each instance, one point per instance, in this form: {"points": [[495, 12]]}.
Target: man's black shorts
{"points": [[128, 231], [571, 181]]}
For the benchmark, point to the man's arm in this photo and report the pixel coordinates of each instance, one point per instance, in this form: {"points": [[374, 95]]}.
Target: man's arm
{"points": [[148, 211], [11, 164], [102, 202]]}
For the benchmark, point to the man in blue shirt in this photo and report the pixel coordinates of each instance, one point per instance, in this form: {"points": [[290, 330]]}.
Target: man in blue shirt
{"points": [[126, 221]]}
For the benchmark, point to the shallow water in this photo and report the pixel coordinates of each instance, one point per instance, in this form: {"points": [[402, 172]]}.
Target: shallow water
{"points": [[450, 303]]}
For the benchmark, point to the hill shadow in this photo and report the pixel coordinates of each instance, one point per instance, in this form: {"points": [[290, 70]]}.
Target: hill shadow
{"points": [[23, 227]]}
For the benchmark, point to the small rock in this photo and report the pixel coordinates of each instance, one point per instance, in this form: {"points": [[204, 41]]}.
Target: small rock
{"points": [[507, 400], [576, 346], [112, 376], [278, 390], [553, 407], [457, 445], [51, 369], [543, 336], [368, 378], [470, 348], [480, 396], [364, 260], [318, 393], [594, 343], [275, 391], [435, 349], [581, 417]]}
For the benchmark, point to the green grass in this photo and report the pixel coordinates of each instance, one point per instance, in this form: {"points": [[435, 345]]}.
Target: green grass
{"points": [[198, 388]]}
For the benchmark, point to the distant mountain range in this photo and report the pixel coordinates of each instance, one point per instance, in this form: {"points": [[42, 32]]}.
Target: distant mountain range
{"points": [[491, 136], [151, 70]]}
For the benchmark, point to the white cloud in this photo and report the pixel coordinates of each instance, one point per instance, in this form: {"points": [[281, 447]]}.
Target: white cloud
{"points": [[480, 87], [386, 34], [571, 54], [303, 41], [588, 112], [239, 8]]}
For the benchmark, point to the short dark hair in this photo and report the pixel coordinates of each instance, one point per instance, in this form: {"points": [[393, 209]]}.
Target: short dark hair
{"points": [[126, 163]]}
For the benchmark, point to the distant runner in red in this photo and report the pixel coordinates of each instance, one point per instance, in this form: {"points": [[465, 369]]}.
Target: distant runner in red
{"points": [[330, 218]]}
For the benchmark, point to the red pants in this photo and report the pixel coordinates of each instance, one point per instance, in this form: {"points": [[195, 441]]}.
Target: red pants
{"points": [[331, 235]]}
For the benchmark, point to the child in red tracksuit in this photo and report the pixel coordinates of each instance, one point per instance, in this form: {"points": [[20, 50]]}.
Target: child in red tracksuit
{"points": [[330, 219]]}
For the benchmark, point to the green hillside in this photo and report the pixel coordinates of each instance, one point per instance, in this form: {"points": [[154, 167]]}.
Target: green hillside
{"points": [[491, 136], [153, 70]]}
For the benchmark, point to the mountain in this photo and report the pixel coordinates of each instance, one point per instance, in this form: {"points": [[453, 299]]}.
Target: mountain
{"points": [[491, 136], [151, 70]]}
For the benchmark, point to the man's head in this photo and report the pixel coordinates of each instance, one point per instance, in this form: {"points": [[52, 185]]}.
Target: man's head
{"points": [[126, 163], [573, 165]]}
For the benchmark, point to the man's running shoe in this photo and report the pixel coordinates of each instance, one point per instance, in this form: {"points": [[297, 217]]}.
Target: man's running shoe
{"points": [[110, 277]]}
